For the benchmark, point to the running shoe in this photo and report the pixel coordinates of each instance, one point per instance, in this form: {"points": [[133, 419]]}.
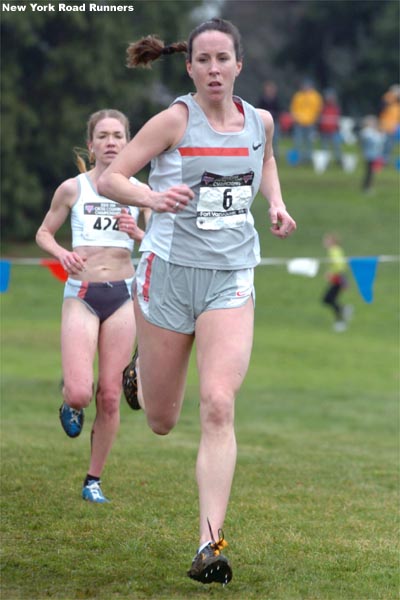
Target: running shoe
{"points": [[130, 383], [71, 420], [209, 565], [340, 326], [92, 492], [348, 311]]}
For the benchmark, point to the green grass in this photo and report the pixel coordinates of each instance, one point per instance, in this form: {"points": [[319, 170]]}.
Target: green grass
{"points": [[314, 507]]}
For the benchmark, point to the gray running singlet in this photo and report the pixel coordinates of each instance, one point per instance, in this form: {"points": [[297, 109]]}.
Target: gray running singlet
{"points": [[216, 230]]}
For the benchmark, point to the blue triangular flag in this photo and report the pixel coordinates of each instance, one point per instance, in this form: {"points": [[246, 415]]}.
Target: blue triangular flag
{"points": [[4, 275], [292, 157], [364, 271]]}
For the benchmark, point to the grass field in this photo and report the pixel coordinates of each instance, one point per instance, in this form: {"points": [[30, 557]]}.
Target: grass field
{"points": [[314, 507]]}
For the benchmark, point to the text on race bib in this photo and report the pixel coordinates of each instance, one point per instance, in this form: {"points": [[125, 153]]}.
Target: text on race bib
{"points": [[99, 221], [224, 200]]}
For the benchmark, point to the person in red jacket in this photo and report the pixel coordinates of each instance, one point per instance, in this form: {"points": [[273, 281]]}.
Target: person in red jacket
{"points": [[329, 125]]}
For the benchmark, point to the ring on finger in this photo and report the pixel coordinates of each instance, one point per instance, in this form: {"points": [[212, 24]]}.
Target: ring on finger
{"points": [[176, 205]]}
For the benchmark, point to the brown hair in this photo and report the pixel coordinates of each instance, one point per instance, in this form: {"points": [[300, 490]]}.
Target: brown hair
{"points": [[221, 25], [81, 154], [148, 49]]}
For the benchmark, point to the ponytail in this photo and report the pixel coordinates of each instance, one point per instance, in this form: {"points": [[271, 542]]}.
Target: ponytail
{"points": [[81, 158], [148, 49]]}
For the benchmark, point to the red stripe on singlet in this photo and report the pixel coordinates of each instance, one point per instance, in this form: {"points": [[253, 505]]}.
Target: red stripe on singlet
{"points": [[213, 151], [239, 106], [83, 289], [147, 275]]}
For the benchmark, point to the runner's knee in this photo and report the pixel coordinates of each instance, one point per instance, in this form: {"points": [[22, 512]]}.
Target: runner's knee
{"points": [[78, 395], [217, 408], [107, 400], [161, 424]]}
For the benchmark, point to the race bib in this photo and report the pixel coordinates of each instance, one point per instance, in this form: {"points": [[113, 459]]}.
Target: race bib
{"points": [[224, 200], [99, 222]]}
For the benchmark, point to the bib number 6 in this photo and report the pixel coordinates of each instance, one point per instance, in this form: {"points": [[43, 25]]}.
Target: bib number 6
{"points": [[227, 199]]}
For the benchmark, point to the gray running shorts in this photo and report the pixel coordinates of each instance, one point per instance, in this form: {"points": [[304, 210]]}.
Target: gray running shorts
{"points": [[172, 296]]}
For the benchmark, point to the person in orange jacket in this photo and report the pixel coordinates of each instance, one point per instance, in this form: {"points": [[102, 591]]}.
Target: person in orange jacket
{"points": [[389, 119], [305, 108]]}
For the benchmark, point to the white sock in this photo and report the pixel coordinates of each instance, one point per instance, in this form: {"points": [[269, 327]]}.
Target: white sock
{"points": [[204, 545]]}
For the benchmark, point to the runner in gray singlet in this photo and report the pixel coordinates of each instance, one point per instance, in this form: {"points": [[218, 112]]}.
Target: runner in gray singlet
{"points": [[211, 152]]}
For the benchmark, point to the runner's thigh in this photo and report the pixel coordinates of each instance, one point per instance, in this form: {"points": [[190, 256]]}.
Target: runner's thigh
{"points": [[163, 362], [79, 334], [224, 339], [116, 341]]}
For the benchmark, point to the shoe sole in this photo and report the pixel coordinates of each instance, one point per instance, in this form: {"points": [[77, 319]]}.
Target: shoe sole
{"points": [[218, 571], [129, 383], [105, 501], [67, 433]]}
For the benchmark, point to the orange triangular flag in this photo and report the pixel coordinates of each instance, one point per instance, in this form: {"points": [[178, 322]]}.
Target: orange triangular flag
{"points": [[55, 268]]}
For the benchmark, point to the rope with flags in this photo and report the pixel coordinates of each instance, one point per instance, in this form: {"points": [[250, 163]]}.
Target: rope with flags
{"points": [[363, 269]]}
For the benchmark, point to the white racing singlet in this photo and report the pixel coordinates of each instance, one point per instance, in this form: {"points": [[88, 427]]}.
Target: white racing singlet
{"points": [[93, 221]]}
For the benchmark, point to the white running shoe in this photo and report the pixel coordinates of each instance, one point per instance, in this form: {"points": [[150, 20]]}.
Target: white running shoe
{"points": [[339, 326], [348, 311]]}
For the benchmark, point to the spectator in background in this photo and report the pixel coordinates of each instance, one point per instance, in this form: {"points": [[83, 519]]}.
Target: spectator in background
{"points": [[270, 101], [389, 119], [372, 143], [285, 123], [329, 125], [305, 107], [337, 282]]}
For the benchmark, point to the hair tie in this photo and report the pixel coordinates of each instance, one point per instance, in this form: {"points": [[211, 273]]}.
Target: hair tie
{"points": [[168, 50]]}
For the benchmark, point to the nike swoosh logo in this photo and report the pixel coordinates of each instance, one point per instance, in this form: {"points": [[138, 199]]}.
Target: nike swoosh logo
{"points": [[256, 146]]}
